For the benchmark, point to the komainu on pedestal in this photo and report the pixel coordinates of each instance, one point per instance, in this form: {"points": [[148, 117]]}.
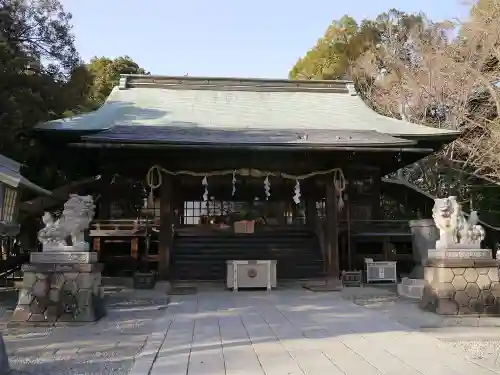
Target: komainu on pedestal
{"points": [[63, 282], [460, 276]]}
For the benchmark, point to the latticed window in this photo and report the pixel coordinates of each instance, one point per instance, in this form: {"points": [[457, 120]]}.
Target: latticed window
{"points": [[321, 208], [8, 198], [192, 212]]}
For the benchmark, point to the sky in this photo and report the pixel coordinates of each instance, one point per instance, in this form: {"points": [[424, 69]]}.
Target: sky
{"points": [[228, 38]]}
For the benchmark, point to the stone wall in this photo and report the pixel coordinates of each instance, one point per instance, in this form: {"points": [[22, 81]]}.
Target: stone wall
{"points": [[54, 293], [465, 286]]}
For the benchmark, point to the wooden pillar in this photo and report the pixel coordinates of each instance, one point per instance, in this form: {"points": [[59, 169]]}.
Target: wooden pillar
{"points": [[281, 212], [166, 221], [332, 235], [134, 248], [96, 244], [311, 211]]}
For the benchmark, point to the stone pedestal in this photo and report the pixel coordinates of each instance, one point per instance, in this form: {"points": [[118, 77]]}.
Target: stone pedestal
{"points": [[4, 359], [461, 286], [411, 288], [58, 289], [424, 236]]}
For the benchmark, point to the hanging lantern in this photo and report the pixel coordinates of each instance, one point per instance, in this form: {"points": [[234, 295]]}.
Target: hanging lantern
{"points": [[234, 184], [296, 197], [267, 187], [204, 182]]}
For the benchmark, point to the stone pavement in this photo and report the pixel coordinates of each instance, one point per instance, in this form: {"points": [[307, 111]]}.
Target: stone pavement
{"points": [[292, 332], [106, 347], [479, 337]]}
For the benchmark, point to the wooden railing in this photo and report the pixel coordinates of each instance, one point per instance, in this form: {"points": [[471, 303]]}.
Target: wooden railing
{"points": [[377, 227], [139, 227], [122, 228]]}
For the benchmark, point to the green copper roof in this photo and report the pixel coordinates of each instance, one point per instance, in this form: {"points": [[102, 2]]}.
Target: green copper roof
{"points": [[234, 104]]}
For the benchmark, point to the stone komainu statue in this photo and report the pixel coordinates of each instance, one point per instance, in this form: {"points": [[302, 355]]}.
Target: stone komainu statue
{"points": [[78, 213], [454, 228]]}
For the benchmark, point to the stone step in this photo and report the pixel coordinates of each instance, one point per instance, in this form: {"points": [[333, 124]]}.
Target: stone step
{"points": [[411, 288]]}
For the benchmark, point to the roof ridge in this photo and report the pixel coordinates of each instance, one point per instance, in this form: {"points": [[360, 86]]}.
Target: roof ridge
{"points": [[233, 83]]}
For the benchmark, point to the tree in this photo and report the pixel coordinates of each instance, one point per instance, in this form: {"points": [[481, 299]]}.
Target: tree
{"points": [[105, 75], [436, 78], [408, 67], [41, 30], [345, 41], [31, 92]]}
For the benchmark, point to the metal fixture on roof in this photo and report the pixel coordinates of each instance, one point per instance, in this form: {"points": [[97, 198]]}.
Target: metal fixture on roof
{"points": [[302, 137], [351, 89], [123, 83]]}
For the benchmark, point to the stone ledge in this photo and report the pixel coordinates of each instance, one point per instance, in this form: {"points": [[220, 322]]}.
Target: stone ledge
{"points": [[64, 257], [459, 253], [411, 288], [461, 263], [58, 268]]}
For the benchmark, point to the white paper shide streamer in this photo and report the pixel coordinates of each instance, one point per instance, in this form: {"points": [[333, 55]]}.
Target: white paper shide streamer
{"points": [[296, 197], [267, 187], [234, 183], [204, 182]]}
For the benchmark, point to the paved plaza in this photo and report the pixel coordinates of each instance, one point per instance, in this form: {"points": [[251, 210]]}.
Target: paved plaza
{"points": [[215, 332], [293, 332]]}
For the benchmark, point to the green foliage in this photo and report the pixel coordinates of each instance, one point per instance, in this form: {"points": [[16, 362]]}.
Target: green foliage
{"points": [[105, 75], [31, 31], [329, 58], [345, 41]]}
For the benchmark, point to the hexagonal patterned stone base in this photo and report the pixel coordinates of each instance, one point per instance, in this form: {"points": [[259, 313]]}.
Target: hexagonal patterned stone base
{"points": [[459, 287], [53, 293]]}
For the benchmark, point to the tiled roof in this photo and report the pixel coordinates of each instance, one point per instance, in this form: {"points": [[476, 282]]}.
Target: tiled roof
{"points": [[190, 107]]}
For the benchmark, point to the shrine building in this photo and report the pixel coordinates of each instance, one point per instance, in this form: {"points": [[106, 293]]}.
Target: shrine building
{"points": [[237, 169]]}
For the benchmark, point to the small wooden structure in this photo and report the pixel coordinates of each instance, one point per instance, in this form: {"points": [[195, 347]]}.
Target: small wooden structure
{"points": [[11, 183], [352, 278], [301, 160]]}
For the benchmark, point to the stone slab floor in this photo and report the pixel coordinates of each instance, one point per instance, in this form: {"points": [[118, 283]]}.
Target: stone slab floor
{"points": [[291, 332]]}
